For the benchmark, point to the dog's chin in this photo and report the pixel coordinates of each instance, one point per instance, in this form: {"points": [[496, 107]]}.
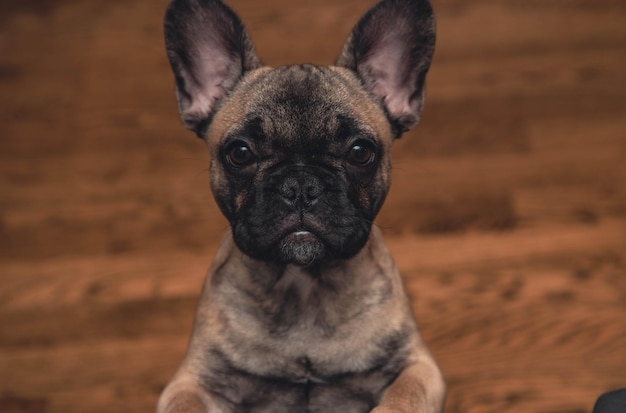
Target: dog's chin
{"points": [[301, 248]]}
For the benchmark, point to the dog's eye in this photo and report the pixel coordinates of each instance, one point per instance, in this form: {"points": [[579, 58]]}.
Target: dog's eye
{"points": [[361, 153], [239, 154]]}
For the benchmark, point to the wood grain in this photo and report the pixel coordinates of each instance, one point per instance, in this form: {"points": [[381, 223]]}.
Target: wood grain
{"points": [[507, 214]]}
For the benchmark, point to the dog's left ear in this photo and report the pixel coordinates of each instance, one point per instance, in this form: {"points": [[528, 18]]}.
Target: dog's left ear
{"points": [[209, 51], [391, 49]]}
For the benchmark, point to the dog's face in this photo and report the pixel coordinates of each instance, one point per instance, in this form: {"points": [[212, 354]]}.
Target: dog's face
{"points": [[300, 154], [300, 163]]}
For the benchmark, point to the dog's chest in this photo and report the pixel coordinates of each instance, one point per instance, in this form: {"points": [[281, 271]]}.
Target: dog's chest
{"points": [[301, 390], [307, 353], [286, 381]]}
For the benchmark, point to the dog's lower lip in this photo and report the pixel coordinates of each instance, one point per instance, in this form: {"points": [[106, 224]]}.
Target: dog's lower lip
{"points": [[301, 236]]}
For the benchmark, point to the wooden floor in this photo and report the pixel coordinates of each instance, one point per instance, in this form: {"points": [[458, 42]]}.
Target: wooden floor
{"points": [[507, 214]]}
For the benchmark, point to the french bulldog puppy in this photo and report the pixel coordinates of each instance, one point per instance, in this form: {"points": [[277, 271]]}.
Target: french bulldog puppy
{"points": [[303, 309]]}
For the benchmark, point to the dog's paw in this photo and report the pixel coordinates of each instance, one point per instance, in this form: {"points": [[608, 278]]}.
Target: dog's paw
{"points": [[397, 409], [383, 409]]}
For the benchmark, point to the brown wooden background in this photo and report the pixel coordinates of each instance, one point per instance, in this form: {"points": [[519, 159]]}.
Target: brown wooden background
{"points": [[507, 214]]}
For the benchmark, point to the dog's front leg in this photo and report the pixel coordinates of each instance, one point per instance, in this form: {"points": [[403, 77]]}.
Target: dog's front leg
{"points": [[184, 396], [419, 388]]}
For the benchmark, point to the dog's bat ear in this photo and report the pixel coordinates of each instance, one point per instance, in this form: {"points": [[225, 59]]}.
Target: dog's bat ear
{"points": [[391, 49], [209, 51]]}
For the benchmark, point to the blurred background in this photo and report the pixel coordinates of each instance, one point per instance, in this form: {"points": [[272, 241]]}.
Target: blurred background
{"points": [[507, 214]]}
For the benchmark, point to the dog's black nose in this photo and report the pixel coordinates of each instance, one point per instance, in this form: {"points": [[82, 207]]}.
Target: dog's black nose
{"points": [[300, 189]]}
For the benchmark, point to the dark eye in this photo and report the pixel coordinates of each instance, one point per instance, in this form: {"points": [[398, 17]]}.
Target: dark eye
{"points": [[362, 153], [239, 154]]}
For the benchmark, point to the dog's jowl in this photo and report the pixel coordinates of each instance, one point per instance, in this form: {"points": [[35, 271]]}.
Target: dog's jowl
{"points": [[303, 309]]}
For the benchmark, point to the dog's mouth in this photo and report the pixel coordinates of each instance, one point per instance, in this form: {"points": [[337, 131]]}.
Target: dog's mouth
{"points": [[303, 238], [301, 247]]}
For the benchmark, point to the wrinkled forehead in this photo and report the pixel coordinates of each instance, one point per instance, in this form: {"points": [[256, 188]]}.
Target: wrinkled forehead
{"points": [[300, 103]]}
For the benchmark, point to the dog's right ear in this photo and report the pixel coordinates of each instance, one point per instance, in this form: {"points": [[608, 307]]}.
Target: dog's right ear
{"points": [[209, 51]]}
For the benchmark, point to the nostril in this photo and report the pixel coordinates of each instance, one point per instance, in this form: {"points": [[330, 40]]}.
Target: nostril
{"points": [[289, 188], [313, 191]]}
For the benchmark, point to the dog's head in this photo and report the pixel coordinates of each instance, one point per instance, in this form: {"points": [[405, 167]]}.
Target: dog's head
{"points": [[300, 154]]}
